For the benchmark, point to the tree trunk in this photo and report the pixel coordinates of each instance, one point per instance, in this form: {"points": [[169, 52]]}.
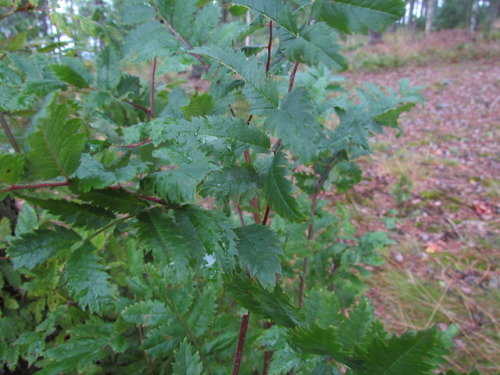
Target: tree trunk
{"points": [[412, 21], [429, 21], [494, 8], [474, 16], [375, 37]]}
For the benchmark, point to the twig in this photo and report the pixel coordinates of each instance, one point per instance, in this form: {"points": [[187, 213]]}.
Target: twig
{"points": [[34, 186], [292, 76], [310, 230], [8, 132], [269, 46], [189, 46], [148, 360], [240, 215], [152, 90], [134, 144], [138, 106], [454, 227], [241, 343], [266, 215]]}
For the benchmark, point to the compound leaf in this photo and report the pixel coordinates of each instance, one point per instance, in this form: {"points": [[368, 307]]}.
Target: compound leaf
{"points": [[108, 70], [187, 362]]}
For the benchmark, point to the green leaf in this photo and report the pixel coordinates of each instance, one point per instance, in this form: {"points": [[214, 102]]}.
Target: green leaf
{"points": [[178, 13], [116, 200], [350, 16], [259, 249], [17, 42], [234, 182], [275, 305], [43, 87], [178, 185], [296, 123], [67, 74], [212, 130], [390, 118], [80, 215], [56, 145], [260, 90], [278, 189], [208, 233], [11, 168], [316, 44], [205, 24], [187, 362], [276, 10], [149, 39], [86, 280], [199, 106], [159, 233], [345, 175], [202, 314], [92, 174], [317, 340], [415, 353], [33, 248], [108, 70], [155, 343], [147, 313]]}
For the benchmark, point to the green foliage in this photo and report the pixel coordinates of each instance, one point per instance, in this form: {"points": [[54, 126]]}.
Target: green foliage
{"points": [[156, 216]]}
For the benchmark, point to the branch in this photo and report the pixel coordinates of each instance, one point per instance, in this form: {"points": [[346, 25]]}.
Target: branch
{"points": [[34, 186], [292, 76], [241, 343], [317, 188], [135, 144], [151, 111], [269, 45], [8, 132], [138, 106]]}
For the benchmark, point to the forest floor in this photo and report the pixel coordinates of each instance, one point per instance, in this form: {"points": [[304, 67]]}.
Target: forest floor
{"points": [[436, 189]]}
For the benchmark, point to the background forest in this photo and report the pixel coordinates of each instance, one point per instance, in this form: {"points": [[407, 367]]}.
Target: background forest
{"points": [[249, 187]]}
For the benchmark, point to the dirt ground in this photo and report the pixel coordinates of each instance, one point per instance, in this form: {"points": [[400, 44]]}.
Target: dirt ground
{"points": [[437, 190]]}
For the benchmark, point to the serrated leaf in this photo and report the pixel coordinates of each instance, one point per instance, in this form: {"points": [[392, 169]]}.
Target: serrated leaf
{"points": [[208, 233], [296, 123], [199, 106], [116, 200], [317, 340], [233, 182], [92, 174], [147, 313], [108, 70], [205, 23], [80, 215], [11, 168], [17, 42], [149, 39], [202, 313], [66, 74], [155, 343], [178, 185], [159, 233], [316, 44], [276, 10], [278, 189], [56, 145], [210, 131], [33, 248], [42, 87], [275, 305], [350, 16], [261, 91], [412, 352], [187, 362], [259, 249], [86, 280], [345, 175], [390, 118], [178, 13]]}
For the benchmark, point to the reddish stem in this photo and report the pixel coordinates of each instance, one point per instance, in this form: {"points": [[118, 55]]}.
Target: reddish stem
{"points": [[34, 186], [269, 46], [134, 144], [241, 343], [292, 76]]}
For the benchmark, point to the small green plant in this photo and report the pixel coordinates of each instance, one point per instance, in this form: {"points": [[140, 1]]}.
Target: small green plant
{"points": [[402, 189], [172, 230]]}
